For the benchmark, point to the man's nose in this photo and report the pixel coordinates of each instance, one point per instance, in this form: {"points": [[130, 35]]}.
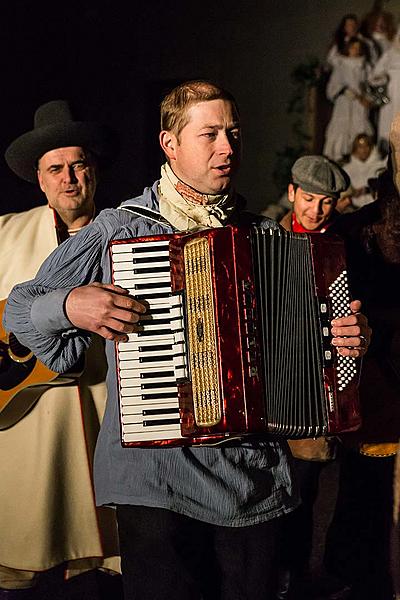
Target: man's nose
{"points": [[69, 174], [316, 209], [226, 145]]}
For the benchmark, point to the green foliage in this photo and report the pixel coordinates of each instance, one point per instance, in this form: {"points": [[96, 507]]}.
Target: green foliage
{"points": [[303, 77]]}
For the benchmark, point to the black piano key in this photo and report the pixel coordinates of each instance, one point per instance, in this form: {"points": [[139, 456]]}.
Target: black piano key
{"points": [[152, 332], [148, 249], [160, 411], [148, 259], [150, 359], [159, 396], [157, 374], [148, 319], [159, 384], [158, 422], [142, 271], [152, 296], [155, 348], [151, 286], [160, 310]]}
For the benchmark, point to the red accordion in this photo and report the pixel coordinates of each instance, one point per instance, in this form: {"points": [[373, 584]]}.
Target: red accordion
{"points": [[236, 340]]}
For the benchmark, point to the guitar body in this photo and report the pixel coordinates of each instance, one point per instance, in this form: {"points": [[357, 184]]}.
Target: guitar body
{"points": [[23, 378]]}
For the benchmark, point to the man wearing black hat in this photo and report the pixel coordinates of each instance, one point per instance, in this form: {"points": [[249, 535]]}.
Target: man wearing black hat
{"points": [[194, 522], [359, 537], [47, 508]]}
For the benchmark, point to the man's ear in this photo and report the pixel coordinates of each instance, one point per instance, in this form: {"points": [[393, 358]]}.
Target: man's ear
{"points": [[168, 143], [40, 180], [291, 192]]}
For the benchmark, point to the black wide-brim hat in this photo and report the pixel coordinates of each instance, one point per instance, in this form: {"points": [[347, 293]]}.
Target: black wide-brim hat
{"points": [[55, 127]]}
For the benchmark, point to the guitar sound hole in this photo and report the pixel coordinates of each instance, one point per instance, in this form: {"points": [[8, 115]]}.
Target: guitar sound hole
{"points": [[17, 351], [4, 356]]}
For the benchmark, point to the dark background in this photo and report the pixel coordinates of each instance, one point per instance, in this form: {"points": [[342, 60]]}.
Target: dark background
{"points": [[114, 63]]}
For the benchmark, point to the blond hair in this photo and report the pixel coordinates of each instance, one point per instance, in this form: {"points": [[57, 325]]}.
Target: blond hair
{"points": [[175, 106]]}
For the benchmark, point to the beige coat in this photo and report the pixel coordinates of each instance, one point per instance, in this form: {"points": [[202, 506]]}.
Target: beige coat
{"points": [[47, 507]]}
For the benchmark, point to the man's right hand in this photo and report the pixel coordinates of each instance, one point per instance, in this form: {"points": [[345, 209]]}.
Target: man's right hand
{"points": [[104, 309]]}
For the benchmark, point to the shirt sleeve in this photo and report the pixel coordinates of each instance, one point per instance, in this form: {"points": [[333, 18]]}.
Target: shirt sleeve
{"points": [[35, 309]]}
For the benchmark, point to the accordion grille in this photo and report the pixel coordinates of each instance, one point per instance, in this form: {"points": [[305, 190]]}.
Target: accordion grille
{"points": [[202, 337]]}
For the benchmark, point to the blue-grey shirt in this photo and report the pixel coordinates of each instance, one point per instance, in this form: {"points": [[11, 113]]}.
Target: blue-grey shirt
{"points": [[232, 486]]}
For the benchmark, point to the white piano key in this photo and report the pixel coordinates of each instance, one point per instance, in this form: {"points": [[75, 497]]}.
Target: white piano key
{"points": [[163, 251], [180, 337], [137, 354], [135, 392], [151, 303], [179, 362], [124, 266], [162, 410], [134, 340], [144, 293], [128, 367], [150, 340], [121, 248], [152, 317], [144, 279], [133, 370], [177, 311], [152, 431], [138, 382], [133, 401], [143, 258], [149, 436], [152, 326]]}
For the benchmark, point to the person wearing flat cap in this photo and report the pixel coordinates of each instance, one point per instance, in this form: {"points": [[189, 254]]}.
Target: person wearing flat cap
{"points": [[317, 184], [48, 515], [358, 539]]}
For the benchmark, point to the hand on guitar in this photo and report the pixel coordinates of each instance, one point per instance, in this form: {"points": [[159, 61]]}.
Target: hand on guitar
{"points": [[105, 309], [352, 334]]}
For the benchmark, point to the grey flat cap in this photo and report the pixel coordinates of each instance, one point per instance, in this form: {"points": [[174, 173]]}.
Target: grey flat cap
{"points": [[319, 175]]}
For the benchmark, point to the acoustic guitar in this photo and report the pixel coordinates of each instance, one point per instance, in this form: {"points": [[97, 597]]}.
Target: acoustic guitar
{"points": [[23, 378]]}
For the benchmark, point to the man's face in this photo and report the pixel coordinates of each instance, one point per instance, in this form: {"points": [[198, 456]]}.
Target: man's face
{"points": [[67, 176], [312, 210], [207, 155]]}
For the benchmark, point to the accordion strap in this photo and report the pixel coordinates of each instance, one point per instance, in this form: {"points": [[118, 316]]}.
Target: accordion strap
{"points": [[148, 213]]}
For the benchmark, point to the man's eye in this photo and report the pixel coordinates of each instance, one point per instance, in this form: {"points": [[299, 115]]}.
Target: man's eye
{"points": [[235, 133], [79, 166], [209, 135]]}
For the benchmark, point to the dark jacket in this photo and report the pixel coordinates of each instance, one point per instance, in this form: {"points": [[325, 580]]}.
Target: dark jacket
{"points": [[372, 238]]}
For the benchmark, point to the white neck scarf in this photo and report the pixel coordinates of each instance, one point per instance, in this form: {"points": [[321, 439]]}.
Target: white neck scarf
{"points": [[187, 209]]}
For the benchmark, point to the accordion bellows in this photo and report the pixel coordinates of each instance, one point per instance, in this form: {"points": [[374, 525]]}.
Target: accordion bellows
{"points": [[236, 340]]}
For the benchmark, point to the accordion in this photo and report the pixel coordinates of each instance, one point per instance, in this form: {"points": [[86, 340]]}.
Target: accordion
{"points": [[236, 340]]}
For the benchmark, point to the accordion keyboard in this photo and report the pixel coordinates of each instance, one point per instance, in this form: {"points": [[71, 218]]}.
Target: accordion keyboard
{"points": [[154, 358]]}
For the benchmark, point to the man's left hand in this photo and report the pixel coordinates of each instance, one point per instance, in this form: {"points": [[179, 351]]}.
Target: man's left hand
{"points": [[352, 334]]}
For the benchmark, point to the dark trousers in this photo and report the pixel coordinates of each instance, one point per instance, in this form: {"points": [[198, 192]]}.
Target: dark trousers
{"points": [[358, 539], [167, 556], [297, 531]]}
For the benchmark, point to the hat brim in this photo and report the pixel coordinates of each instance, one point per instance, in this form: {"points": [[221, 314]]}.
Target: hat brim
{"points": [[23, 154]]}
